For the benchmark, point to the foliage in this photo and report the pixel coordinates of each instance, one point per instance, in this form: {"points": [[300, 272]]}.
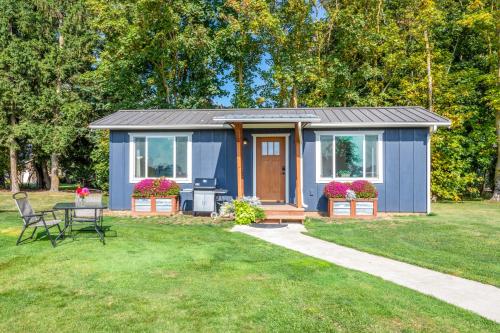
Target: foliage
{"points": [[247, 210], [99, 157], [66, 63], [227, 209], [364, 189], [336, 189], [155, 187]]}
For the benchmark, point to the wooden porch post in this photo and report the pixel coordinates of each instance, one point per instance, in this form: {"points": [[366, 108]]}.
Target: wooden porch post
{"points": [[298, 164], [238, 132]]}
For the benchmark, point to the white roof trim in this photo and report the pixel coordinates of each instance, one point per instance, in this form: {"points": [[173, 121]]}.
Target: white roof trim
{"points": [[311, 125], [160, 127]]}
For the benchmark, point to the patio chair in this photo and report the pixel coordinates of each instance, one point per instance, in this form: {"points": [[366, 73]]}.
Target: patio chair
{"points": [[34, 220], [94, 216]]}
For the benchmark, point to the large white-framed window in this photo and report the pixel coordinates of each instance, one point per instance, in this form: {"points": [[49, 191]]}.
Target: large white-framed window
{"points": [[348, 156], [155, 155]]}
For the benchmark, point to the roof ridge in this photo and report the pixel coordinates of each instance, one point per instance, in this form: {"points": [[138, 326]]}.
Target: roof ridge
{"points": [[280, 108]]}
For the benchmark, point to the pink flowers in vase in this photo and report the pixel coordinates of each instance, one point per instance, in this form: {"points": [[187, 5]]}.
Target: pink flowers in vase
{"points": [[82, 192]]}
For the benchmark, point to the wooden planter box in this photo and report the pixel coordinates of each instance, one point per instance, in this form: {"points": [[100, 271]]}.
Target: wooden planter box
{"points": [[168, 205], [357, 208]]}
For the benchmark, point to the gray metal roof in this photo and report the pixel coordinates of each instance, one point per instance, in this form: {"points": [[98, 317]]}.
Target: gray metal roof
{"points": [[342, 117]]}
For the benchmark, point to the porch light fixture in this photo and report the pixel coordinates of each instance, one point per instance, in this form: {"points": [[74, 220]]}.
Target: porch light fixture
{"points": [[245, 141]]}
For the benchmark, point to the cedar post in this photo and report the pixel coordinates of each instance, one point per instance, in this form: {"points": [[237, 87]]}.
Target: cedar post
{"points": [[298, 171], [238, 132]]}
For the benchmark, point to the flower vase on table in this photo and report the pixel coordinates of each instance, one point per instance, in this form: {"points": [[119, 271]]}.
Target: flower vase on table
{"points": [[81, 194]]}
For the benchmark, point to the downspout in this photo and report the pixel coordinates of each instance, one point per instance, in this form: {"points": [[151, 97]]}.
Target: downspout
{"points": [[301, 165], [432, 129]]}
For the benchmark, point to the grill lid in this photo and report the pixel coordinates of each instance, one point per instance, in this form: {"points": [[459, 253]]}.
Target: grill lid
{"points": [[205, 183]]}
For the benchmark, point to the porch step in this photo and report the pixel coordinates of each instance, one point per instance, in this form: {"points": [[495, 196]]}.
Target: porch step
{"points": [[283, 213]]}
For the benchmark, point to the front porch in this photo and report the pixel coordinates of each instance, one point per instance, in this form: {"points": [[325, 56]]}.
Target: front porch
{"points": [[276, 213], [269, 161]]}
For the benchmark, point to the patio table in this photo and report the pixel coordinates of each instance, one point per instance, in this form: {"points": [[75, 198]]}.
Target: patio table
{"points": [[68, 207]]}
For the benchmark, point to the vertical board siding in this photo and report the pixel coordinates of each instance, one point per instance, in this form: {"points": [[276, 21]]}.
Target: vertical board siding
{"points": [[420, 170], [404, 187], [406, 167], [405, 175], [214, 155]]}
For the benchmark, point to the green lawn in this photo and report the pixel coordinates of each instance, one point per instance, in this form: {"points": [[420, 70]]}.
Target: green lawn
{"points": [[459, 238], [185, 274]]}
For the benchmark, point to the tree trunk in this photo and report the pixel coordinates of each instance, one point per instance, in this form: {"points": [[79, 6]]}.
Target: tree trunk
{"points": [[429, 72], [379, 12], [54, 172], [45, 176], [14, 183], [496, 190], [294, 99]]}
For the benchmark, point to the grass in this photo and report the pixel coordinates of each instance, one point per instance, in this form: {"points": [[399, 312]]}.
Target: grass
{"points": [[185, 274], [462, 239]]}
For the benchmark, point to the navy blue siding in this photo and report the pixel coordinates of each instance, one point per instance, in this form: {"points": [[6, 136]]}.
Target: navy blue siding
{"points": [[404, 187], [214, 155]]}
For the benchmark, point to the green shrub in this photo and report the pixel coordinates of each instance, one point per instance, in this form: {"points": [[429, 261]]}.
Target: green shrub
{"points": [[246, 213]]}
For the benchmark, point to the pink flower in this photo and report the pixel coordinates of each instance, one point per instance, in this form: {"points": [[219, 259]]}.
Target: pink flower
{"points": [[336, 190], [155, 187], [364, 189]]}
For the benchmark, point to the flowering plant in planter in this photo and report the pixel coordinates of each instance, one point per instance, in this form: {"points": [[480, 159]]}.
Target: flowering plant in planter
{"points": [[356, 199], [160, 187], [364, 189], [336, 190]]}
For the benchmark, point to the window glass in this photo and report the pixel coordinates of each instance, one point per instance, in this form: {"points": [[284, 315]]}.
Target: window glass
{"points": [[161, 157], [140, 157], [270, 150], [181, 157], [371, 145], [264, 148], [326, 156], [349, 156], [276, 148]]}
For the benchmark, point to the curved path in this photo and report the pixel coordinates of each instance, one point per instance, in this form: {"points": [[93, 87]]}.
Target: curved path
{"points": [[477, 297]]}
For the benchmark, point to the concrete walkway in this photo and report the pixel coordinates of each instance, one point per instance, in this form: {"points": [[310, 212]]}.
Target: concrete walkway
{"points": [[477, 297]]}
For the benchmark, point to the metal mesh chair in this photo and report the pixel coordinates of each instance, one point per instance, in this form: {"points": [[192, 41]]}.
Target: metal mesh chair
{"points": [[93, 216], [34, 220]]}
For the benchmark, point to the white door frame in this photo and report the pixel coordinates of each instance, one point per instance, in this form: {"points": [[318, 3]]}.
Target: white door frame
{"points": [[287, 161]]}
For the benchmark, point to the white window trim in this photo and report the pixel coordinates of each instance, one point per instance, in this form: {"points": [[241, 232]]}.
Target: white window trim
{"points": [[380, 157], [287, 161], [132, 136]]}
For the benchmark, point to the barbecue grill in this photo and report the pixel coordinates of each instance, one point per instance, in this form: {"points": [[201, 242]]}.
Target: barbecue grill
{"points": [[205, 194]]}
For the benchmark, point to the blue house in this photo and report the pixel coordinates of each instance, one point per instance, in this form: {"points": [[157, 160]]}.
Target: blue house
{"points": [[280, 155]]}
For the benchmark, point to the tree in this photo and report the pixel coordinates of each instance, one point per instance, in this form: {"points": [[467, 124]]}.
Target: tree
{"points": [[157, 53], [241, 44], [19, 67], [291, 44]]}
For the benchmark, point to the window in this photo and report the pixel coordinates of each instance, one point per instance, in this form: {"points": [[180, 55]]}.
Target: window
{"points": [[348, 156], [160, 155], [270, 148]]}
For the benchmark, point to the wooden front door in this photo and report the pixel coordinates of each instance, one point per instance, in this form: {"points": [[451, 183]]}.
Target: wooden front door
{"points": [[270, 169]]}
